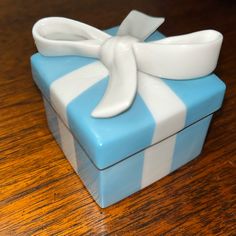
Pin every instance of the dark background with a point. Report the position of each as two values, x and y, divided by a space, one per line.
39 192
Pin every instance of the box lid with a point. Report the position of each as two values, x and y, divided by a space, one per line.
74 85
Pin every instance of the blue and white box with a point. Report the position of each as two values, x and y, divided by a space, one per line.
164 129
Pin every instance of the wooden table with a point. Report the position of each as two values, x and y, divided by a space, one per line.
39 192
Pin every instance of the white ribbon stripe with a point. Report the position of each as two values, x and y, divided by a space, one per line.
181 57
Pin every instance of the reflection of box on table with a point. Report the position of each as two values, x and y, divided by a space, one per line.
164 129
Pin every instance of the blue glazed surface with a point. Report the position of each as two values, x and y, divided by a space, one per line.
121 180
201 96
88 173
48 69
52 122
99 136
185 152
108 141
113 184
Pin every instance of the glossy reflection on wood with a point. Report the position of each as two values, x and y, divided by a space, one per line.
39 192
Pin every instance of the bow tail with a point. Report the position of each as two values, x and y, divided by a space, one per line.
122 85
139 25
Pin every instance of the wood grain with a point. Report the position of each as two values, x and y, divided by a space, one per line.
39 192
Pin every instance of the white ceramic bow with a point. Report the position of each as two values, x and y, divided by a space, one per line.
181 57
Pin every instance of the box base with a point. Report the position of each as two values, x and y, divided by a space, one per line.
110 185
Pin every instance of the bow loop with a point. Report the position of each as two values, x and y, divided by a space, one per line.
58 36
186 56
181 57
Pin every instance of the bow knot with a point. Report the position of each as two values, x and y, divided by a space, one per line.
181 57
112 45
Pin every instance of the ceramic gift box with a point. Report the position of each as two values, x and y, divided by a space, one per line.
129 109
